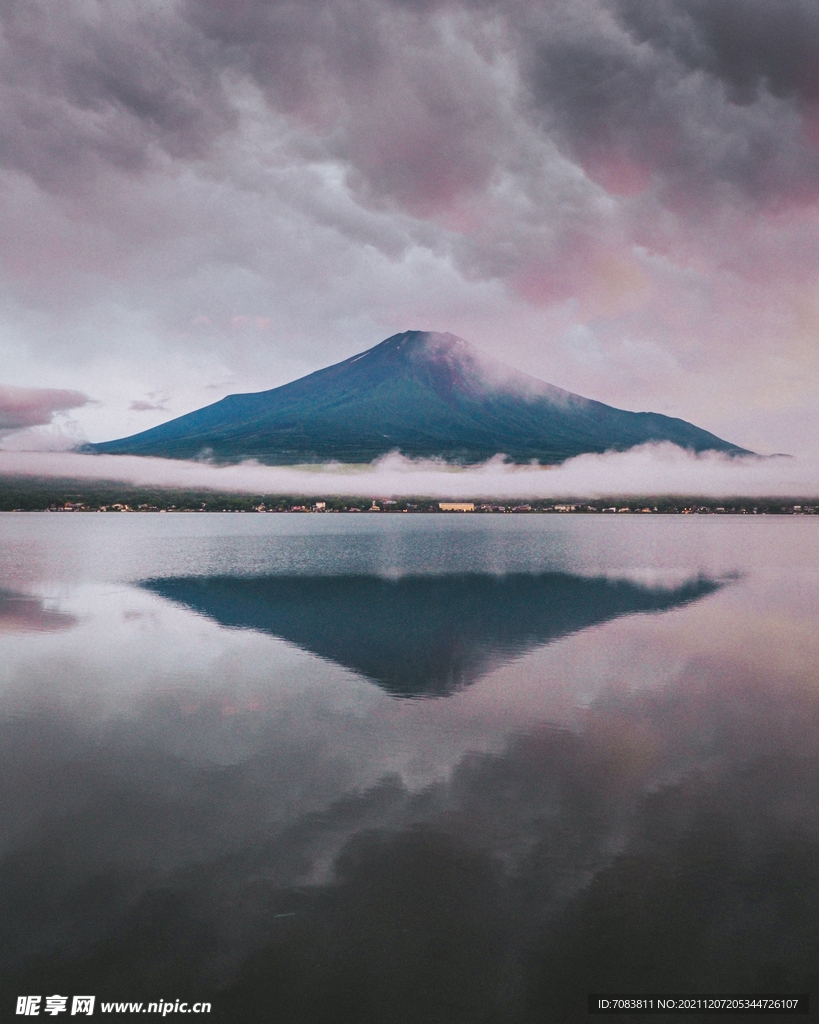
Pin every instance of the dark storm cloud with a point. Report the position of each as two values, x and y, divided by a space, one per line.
31 407
84 88
702 94
750 45
689 94
412 112
296 51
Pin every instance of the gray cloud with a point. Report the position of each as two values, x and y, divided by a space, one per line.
750 45
83 90
408 94
648 98
143 406
408 104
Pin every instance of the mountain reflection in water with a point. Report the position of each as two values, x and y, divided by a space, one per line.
422 635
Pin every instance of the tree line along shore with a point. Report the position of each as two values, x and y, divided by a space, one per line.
27 495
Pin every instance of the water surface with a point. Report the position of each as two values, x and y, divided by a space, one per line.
407 768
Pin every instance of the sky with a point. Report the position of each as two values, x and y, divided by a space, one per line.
203 197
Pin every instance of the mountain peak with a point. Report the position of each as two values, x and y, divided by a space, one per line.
423 345
447 361
424 340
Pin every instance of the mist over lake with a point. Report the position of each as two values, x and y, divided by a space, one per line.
407 768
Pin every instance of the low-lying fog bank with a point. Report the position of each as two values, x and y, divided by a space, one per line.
649 469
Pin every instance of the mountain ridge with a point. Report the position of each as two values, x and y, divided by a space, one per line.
424 394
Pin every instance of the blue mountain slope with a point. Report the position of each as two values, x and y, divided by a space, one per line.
423 394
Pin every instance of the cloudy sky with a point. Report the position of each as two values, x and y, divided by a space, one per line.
207 196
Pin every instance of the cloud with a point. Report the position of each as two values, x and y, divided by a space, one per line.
24 613
685 96
647 470
425 104
751 46
84 93
31 407
142 406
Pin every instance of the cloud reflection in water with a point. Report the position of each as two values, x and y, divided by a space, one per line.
25 613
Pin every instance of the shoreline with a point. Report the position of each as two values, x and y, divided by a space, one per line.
26 494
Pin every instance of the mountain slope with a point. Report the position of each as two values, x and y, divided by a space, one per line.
425 395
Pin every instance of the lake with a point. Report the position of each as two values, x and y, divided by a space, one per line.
408 768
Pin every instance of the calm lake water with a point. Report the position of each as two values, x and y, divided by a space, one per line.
410 769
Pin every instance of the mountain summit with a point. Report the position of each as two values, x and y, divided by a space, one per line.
423 394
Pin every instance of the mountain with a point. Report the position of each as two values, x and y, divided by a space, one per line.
424 395
422 635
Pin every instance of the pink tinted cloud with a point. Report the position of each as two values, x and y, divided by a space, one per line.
33 407
618 171
24 613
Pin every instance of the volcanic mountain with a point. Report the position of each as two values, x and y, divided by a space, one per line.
422 394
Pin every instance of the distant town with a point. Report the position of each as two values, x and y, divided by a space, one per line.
26 495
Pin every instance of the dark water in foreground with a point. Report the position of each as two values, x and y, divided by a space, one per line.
407 769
